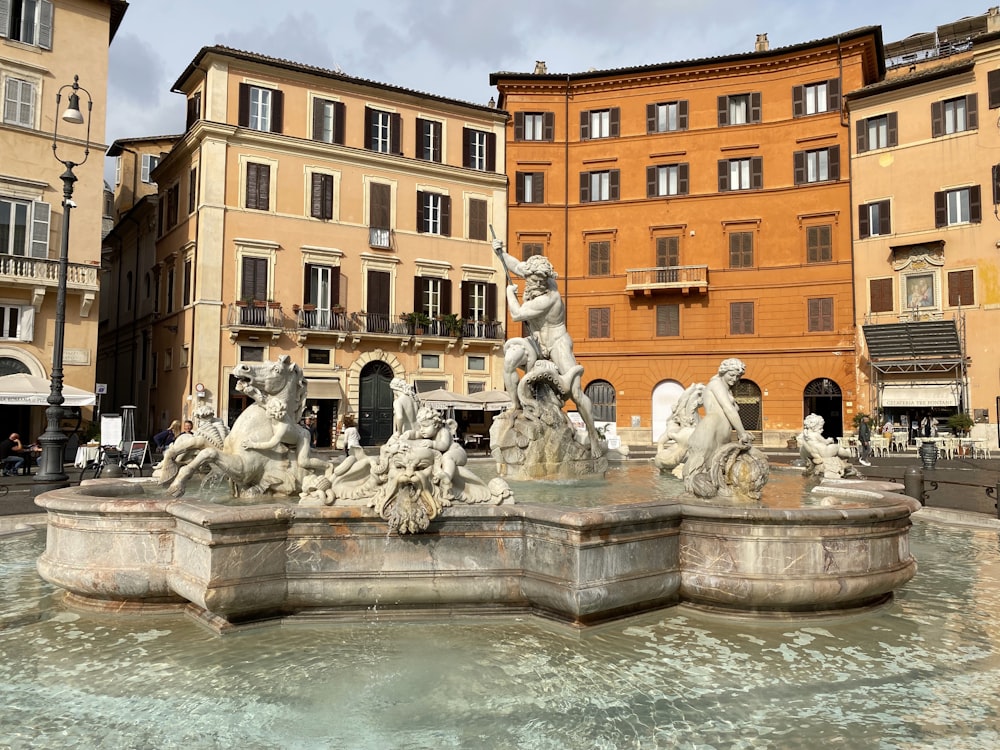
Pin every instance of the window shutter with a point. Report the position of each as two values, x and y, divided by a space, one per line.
538 187
192 190
446 215
491 152
252 189
254 279
892 131
975 205
548 126
668 320
491 301
723 175
446 296
380 196
317 196
40 216
519 126
880 292
992 86
395 133
723 111
651 182
335 286
369 136
584 125
379 283
940 209
799 167
45 24
682 179
243 115
613 184
339 122
863 229
834 162
884 218
615 117
26 330
466 148
813 315
277 111
961 289
319 117
798 101
193 110
971 111
477 219
464 291
418 294
519 186
650 118
996 184
682 114
584 187
421 197
264 187
755 108
4 17
833 95
937 119
861 133
756 172
307 297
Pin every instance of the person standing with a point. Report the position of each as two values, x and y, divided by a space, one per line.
352 438
865 440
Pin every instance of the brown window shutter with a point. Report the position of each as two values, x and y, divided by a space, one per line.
723 103
975 205
446 215
317 196
971 111
798 101
377 301
307 285
723 175
833 95
682 114
445 296
254 282
961 288
863 229
993 87
395 133
193 110
996 184
318 117
834 163
264 187
615 118
477 219
466 148
369 118
884 218
755 107
243 114
584 187
491 301
651 182
277 111
584 125
251 196
421 197
940 209
937 119
756 172
464 293
418 294
683 172
799 167
519 186
548 126
813 315
538 188
892 131
861 133
668 320
380 196
335 285
339 122
650 118
491 152
519 126
880 291
613 184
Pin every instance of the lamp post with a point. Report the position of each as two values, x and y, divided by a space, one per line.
53 440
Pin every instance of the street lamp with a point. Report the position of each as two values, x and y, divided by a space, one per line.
53 441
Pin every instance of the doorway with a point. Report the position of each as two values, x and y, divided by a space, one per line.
375 403
823 398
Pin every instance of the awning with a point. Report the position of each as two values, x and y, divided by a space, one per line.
31 390
442 399
493 400
920 394
325 389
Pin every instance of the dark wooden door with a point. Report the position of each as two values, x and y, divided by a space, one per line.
375 423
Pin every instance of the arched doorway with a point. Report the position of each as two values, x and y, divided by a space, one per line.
15 417
665 397
748 401
823 397
602 396
375 403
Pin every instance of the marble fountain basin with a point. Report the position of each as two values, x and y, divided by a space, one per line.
117 546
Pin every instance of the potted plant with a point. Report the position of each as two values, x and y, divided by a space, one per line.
452 324
416 321
960 423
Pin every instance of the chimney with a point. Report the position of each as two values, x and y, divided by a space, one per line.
540 68
762 44
993 19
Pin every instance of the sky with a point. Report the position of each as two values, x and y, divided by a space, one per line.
450 47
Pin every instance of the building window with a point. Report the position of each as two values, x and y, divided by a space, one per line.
185 356
874 219
192 190
17 322
193 110
318 356
382 131
24 228
741 249
154 373
600 258
814 98
379 214
186 283
430 302
821 314
433 213
818 165
740 318
877 132
668 251
253 279
529 187
321 289
599 123
321 198
430 362
258 186
478 221
479 150
428 140
149 162
961 206
961 288
666 117
169 289
531 248
739 109
534 126
819 243
328 121
173 196
476 363
19 102
251 354
599 323
880 295
28 22
118 171
599 186
741 174
669 179
476 386
260 108
668 320
954 115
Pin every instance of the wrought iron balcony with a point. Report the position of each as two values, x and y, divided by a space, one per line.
261 316
309 321
380 238
667 278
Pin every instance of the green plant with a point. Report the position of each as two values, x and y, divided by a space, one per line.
416 320
858 416
452 324
960 422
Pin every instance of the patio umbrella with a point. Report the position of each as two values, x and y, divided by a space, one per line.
439 398
31 390
493 400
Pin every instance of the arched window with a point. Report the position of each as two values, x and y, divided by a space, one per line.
823 396
747 395
602 395
11 366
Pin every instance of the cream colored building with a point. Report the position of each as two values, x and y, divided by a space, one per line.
305 213
925 169
43 45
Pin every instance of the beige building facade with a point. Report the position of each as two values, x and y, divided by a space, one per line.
339 222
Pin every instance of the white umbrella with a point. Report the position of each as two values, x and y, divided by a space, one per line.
31 390
493 400
442 399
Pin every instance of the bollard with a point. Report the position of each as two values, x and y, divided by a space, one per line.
913 483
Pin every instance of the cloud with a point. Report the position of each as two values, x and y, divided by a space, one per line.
135 72
301 38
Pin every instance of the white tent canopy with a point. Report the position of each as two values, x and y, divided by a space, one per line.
493 400
442 399
31 390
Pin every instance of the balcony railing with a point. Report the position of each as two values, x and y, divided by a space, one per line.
379 238
18 269
685 278
340 321
255 316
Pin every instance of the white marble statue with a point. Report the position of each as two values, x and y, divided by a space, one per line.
823 456
672 447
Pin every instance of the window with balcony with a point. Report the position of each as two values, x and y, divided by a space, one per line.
739 109
600 123
328 121
820 314
478 219
479 150
17 322
668 251
258 187
529 187
379 210
740 318
961 288
877 132
667 117
432 296
27 21
816 98
321 196
320 293
741 174
960 206
254 278
19 102
668 320
534 126
874 219
599 323
819 243
24 227
816 165
954 115
429 140
433 213
531 248
668 179
382 131
741 249
600 258
479 302
599 186
149 163
880 295
260 108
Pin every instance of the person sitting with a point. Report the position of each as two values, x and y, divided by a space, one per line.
10 458
162 440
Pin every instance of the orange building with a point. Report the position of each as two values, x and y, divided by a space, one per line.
695 211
